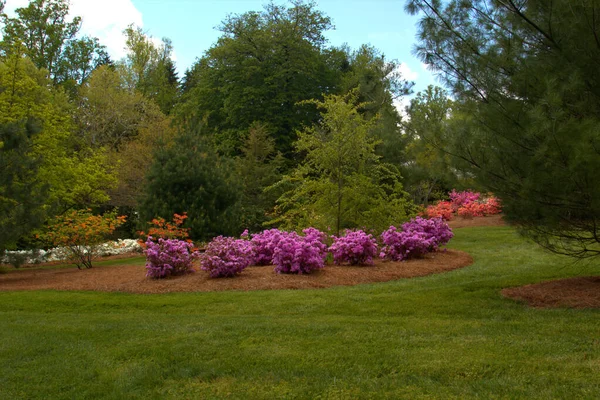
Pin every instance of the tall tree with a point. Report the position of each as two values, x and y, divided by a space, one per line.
22 196
341 183
76 175
261 67
379 84
524 74
150 69
50 41
428 168
259 167
189 176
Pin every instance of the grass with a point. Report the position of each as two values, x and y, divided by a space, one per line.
138 260
444 336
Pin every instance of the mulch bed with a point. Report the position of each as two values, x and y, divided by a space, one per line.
490 220
581 292
131 278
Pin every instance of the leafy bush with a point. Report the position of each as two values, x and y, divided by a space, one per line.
471 210
417 237
264 245
160 228
226 256
295 254
81 234
493 206
167 257
460 199
443 209
354 248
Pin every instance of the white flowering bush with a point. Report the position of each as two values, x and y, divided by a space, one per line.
37 256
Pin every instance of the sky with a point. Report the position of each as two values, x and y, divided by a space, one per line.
191 25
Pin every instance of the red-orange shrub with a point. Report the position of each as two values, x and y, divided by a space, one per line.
80 234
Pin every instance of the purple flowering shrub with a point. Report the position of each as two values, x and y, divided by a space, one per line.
264 245
169 257
417 237
226 256
354 248
295 254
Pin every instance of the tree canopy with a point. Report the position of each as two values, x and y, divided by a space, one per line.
525 79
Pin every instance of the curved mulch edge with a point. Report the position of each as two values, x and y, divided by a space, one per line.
580 292
131 278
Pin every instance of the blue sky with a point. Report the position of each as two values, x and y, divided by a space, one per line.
190 24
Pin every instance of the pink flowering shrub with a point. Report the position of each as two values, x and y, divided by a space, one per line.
295 254
264 245
460 199
168 257
417 237
354 248
492 206
226 256
443 209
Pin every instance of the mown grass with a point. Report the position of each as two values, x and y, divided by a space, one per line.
444 336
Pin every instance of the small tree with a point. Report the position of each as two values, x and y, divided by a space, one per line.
161 228
341 183
80 233
258 168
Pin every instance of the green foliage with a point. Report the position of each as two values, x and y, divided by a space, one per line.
77 176
341 183
258 168
149 69
427 132
22 196
189 176
524 77
261 67
80 234
49 39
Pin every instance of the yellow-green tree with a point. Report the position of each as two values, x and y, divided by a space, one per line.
76 175
341 183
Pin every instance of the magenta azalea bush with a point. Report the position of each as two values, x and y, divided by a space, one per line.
354 248
295 254
169 257
264 244
226 256
417 237
460 199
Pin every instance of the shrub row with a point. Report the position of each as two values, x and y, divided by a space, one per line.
292 253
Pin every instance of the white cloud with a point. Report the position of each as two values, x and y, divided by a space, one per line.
104 19
407 73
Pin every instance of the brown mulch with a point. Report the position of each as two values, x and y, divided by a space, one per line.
131 278
490 220
581 292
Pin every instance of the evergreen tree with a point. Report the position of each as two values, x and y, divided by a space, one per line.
22 196
259 167
524 75
189 176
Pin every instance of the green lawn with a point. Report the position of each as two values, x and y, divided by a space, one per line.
445 336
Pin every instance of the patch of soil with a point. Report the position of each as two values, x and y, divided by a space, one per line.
490 220
581 292
131 278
